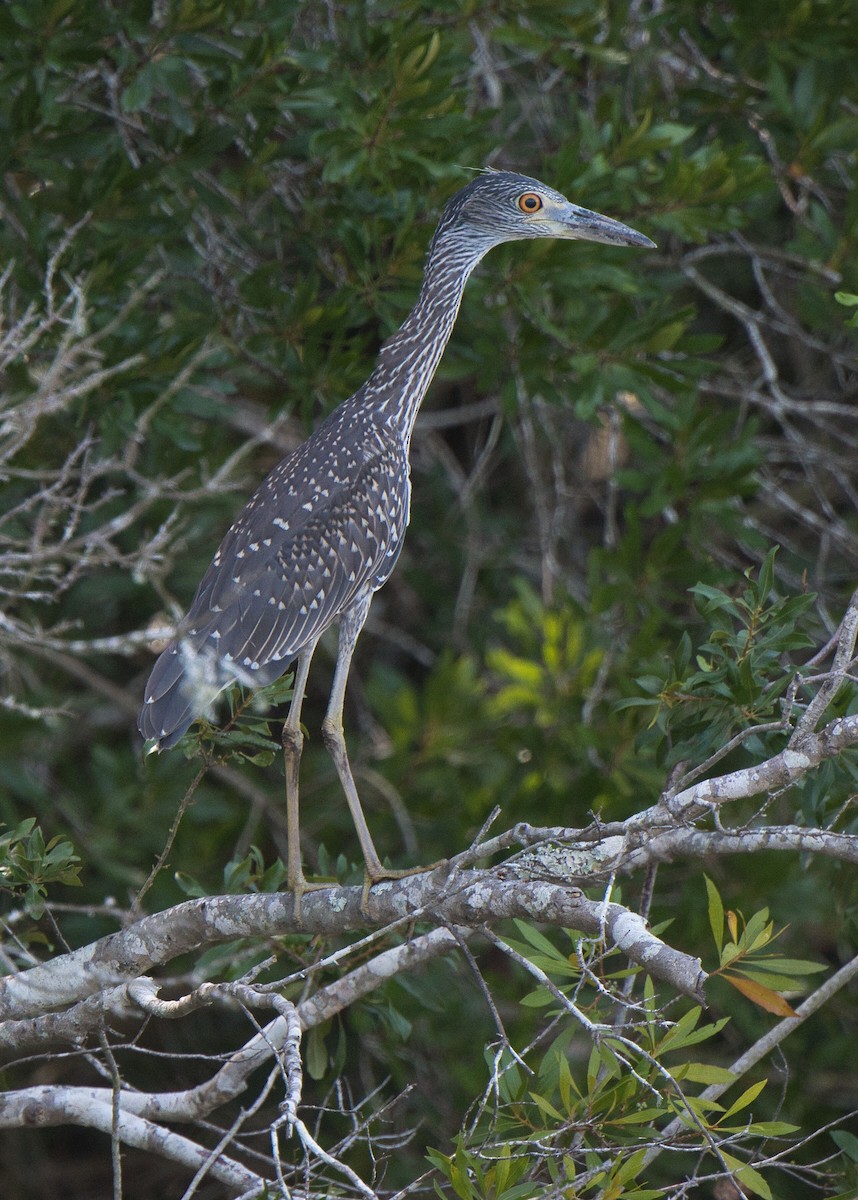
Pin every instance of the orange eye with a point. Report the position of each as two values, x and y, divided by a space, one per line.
530 202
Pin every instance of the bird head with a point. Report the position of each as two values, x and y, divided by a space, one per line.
500 206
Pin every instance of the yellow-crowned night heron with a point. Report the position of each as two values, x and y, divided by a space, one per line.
324 530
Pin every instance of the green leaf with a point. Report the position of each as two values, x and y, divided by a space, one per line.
703 1073
545 1106
538 940
539 998
749 1179
630 1168
685 1032
190 886
645 1116
138 94
758 931
763 1128
791 966
767 976
746 1099
716 913
847 1142
315 1052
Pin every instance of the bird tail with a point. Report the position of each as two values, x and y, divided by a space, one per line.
183 685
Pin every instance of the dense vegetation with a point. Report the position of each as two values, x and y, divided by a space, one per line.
634 541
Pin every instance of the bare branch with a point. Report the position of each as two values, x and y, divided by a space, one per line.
54 1104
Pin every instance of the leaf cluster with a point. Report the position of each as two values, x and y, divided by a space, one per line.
29 865
736 678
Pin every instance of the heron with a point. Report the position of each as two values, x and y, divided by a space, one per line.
324 530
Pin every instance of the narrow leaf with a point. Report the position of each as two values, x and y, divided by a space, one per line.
716 913
746 1099
763 997
704 1073
751 1180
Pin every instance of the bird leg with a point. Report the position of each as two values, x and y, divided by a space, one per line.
333 736
293 743
351 624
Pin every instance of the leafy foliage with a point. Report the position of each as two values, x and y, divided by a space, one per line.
735 680
744 963
29 865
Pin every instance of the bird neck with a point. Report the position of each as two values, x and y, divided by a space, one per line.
408 360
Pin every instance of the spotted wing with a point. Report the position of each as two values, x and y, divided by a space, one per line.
279 581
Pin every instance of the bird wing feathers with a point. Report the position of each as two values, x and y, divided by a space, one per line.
277 583
303 548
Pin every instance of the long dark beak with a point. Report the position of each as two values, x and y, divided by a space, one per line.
583 225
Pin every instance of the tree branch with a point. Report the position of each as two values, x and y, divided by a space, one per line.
474 899
54 1104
